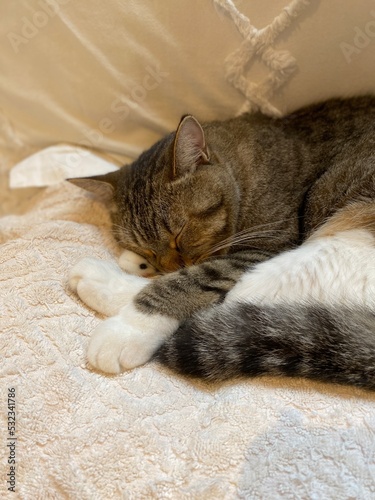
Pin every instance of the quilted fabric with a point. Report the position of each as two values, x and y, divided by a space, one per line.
149 433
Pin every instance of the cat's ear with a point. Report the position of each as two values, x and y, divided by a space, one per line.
102 186
190 149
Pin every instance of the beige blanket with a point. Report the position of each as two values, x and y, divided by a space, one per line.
149 433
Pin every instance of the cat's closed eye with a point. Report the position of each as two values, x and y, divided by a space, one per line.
176 240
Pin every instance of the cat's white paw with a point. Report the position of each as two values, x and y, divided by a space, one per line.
133 263
128 340
103 286
90 268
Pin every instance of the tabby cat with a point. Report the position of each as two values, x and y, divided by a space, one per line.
260 235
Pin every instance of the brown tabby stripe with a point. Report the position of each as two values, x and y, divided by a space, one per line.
182 293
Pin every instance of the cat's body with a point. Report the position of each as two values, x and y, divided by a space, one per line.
306 312
248 188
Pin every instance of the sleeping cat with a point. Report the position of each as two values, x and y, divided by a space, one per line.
261 233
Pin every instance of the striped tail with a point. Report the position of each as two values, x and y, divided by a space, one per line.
312 341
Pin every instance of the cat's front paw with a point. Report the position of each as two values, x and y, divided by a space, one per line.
128 340
103 286
133 263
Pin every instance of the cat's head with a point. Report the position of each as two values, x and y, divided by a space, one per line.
176 203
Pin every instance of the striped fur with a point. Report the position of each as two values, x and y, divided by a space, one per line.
309 312
210 204
334 344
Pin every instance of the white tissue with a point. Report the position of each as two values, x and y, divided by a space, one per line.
56 163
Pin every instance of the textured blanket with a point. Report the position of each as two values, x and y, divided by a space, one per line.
148 433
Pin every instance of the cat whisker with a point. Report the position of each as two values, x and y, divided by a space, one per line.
247 235
266 224
117 227
243 238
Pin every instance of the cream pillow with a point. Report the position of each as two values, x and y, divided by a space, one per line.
118 75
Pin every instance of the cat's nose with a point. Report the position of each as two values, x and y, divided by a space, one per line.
170 262
173 260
